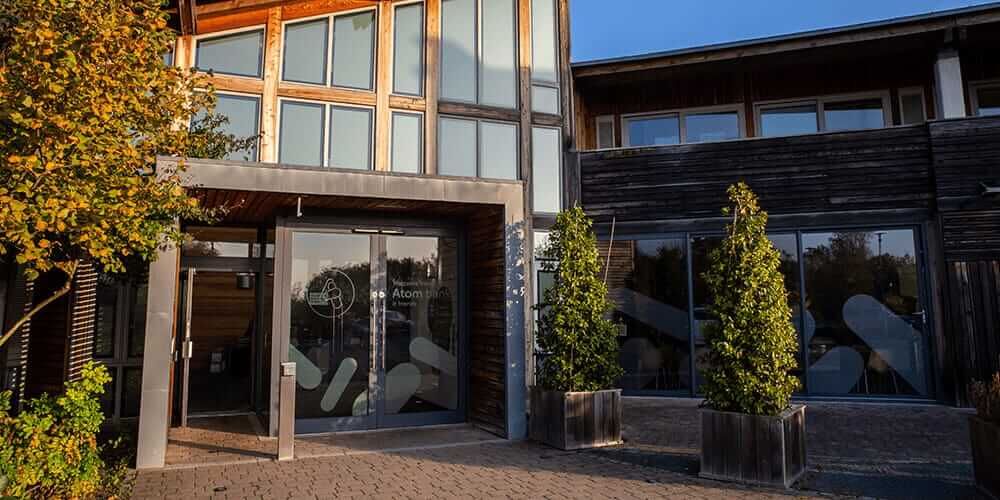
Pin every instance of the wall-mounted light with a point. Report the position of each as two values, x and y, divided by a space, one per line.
990 191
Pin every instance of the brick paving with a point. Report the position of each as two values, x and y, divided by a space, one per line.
882 451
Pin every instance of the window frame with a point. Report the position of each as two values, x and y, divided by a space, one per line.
257 125
681 114
974 88
559 170
328 62
820 102
537 82
120 360
422 169
227 33
909 91
479 148
327 109
423 48
478 40
607 119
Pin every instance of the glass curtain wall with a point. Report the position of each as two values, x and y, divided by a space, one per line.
862 332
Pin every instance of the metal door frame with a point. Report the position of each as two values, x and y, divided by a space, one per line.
378 230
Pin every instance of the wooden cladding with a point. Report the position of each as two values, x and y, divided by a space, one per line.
487 320
973 322
866 170
966 157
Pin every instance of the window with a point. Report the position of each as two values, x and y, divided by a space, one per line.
354 50
546 162
305 52
407 154
478 148
605 132
479 62
325 135
544 57
243 115
986 99
350 137
408 47
911 106
118 338
789 120
239 54
684 126
337 50
824 114
853 115
301 137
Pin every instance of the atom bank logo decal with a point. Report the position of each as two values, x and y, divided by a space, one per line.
333 296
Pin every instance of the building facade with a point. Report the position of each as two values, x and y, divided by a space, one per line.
381 233
874 150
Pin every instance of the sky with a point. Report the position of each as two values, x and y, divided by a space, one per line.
616 28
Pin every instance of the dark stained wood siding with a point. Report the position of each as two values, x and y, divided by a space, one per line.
487 320
47 339
973 322
837 172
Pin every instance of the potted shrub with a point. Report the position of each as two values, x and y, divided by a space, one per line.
574 406
984 429
749 431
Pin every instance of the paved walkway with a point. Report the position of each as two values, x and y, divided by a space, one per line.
879 451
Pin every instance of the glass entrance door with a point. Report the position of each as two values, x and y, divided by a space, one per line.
374 329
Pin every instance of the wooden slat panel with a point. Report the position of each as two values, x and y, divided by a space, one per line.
269 99
973 322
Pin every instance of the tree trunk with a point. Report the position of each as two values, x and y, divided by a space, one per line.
70 269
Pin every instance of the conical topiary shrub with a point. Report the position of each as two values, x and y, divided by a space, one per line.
580 342
752 346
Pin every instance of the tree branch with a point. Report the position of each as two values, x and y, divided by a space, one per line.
70 270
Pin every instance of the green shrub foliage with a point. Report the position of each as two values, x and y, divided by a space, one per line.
50 450
580 341
753 344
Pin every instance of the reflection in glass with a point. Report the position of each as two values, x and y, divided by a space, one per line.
864 323
407 142
354 50
408 50
457 152
647 282
301 139
305 52
104 320
330 323
498 73
216 241
543 41
458 50
498 150
653 131
131 389
988 101
137 319
702 127
788 120
421 325
350 137
912 108
237 54
853 115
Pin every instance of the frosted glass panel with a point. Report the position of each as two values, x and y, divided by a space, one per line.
238 54
458 50
408 60
545 99
301 139
497 73
407 143
354 50
457 151
546 182
243 113
350 137
543 40
703 127
912 108
498 150
305 52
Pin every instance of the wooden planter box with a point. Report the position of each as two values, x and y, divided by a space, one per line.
753 449
986 455
576 420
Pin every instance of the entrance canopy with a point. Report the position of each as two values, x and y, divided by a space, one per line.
489 216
